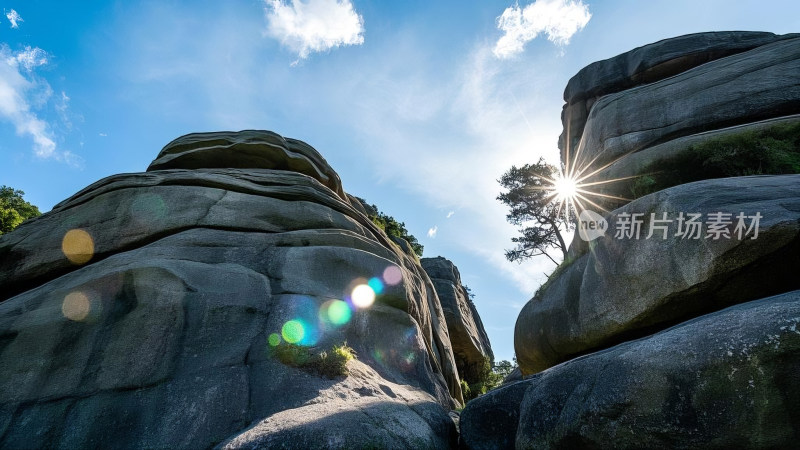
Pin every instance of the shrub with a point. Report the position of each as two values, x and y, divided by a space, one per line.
330 363
14 209
774 151
391 226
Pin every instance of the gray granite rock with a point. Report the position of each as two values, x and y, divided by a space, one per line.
747 87
648 64
724 380
623 288
470 342
137 313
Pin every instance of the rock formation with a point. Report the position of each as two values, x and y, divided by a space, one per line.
672 336
470 343
147 311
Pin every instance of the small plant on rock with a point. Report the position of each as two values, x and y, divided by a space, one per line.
330 363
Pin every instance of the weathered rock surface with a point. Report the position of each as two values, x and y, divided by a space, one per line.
137 313
248 149
643 162
758 84
659 62
656 339
626 287
470 342
730 379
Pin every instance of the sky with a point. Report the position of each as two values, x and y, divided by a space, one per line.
420 106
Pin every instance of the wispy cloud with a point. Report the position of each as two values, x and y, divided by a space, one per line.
14 18
491 120
21 92
432 231
450 214
314 25
30 58
558 19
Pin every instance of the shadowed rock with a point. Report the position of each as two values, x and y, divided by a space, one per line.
724 380
139 312
471 346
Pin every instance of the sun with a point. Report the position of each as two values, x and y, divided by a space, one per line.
565 188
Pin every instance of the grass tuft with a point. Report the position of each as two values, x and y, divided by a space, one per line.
769 151
330 363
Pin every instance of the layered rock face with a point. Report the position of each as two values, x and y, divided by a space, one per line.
675 327
147 311
470 343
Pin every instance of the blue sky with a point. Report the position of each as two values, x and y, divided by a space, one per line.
414 103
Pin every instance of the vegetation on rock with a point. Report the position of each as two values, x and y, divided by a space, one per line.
14 209
330 363
391 226
769 151
539 219
490 377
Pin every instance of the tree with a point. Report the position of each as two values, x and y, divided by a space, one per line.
13 209
504 368
539 218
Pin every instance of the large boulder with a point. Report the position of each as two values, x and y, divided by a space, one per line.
652 161
746 87
179 308
730 379
648 64
625 287
470 342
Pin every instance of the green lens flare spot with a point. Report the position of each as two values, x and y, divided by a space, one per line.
274 339
293 331
339 312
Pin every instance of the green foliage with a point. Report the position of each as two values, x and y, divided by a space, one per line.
330 363
13 209
465 390
489 378
391 226
774 150
539 219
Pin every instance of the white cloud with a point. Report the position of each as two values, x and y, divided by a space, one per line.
20 93
314 25
558 19
450 214
102 134
14 18
30 58
432 231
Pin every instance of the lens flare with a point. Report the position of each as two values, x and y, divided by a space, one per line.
76 306
565 188
293 331
376 285
392 275
78 246
274 339
363 296
339 312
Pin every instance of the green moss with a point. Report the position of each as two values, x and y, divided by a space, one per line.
330 363
769 151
